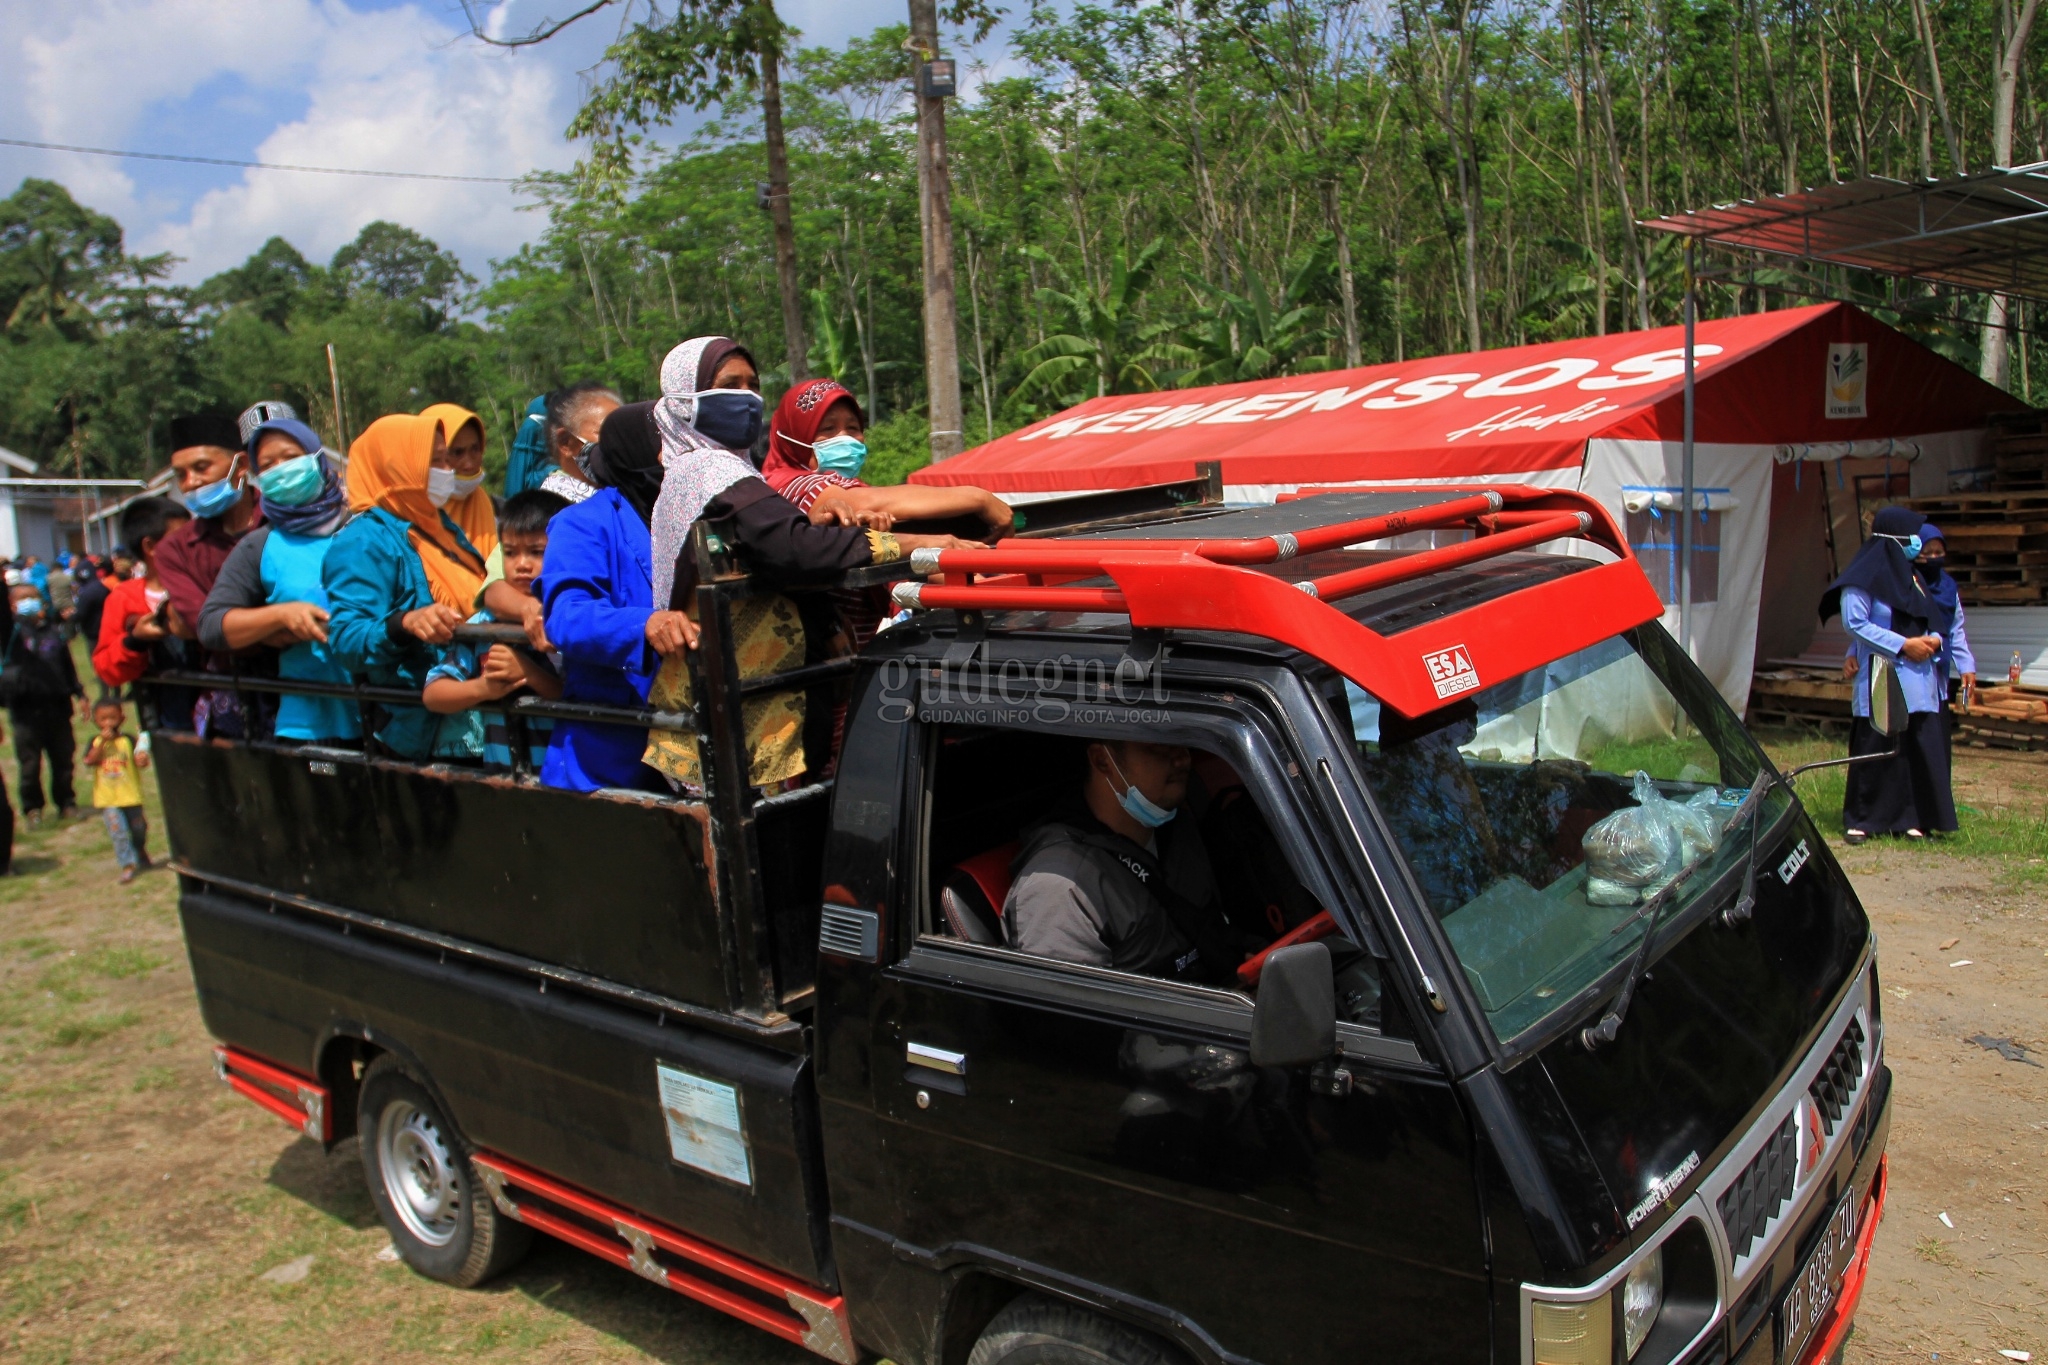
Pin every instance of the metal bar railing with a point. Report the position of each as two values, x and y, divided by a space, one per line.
683 721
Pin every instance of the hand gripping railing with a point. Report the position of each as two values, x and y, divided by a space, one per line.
1216 584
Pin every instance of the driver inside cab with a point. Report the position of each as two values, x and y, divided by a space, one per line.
1113 879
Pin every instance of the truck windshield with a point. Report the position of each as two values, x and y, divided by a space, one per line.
1538 814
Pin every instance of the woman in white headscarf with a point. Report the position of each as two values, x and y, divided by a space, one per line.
619 585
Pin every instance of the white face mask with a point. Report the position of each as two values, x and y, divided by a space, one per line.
464 487
441 486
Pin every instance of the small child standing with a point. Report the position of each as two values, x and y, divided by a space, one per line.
117 787
469 677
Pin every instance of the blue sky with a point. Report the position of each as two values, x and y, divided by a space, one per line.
383 84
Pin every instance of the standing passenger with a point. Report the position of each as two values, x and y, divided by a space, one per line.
456 486
215 486
570 423
816 452
388 617
619 586
134 640
270 592
1888 612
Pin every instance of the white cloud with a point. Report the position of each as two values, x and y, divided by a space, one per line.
394 89
391 91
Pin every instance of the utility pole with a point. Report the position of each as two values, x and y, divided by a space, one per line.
935 199
775 198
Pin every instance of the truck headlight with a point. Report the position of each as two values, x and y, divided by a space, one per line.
1642 1298
1573 1333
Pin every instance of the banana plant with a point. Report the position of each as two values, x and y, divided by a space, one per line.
1249 336
1105 338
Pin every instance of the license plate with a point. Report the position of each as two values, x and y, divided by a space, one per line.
1814 1288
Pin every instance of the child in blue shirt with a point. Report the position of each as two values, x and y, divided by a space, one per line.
470 675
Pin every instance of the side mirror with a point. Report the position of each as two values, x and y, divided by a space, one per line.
1295 1020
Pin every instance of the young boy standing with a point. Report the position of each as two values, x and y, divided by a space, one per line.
117 788
467 677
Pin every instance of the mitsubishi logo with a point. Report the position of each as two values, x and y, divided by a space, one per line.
1813 1139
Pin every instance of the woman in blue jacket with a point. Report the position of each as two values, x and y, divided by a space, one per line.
385 624
270 591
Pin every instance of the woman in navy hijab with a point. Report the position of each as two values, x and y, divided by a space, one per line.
1888 612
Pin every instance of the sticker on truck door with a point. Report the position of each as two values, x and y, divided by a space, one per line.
1451 671
704 1129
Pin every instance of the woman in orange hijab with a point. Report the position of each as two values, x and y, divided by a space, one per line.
461 490
400 577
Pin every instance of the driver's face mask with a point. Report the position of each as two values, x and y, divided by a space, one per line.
1136 804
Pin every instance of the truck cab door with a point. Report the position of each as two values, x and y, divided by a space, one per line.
1106 1135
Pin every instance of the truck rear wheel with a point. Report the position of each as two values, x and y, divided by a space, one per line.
417 1166
1040 1331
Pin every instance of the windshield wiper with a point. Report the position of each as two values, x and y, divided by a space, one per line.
1597 1035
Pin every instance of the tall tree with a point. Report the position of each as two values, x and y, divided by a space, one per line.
706 53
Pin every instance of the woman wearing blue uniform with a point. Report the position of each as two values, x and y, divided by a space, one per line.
1888 612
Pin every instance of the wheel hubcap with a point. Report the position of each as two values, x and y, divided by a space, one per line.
422 1175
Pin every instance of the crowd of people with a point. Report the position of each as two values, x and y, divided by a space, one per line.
277 558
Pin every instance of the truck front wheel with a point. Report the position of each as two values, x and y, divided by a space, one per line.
1038 1331
440 1219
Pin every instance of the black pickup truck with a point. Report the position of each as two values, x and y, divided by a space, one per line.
1480 1099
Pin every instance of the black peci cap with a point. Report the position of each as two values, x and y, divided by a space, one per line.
212 427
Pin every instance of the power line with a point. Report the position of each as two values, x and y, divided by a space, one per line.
258 165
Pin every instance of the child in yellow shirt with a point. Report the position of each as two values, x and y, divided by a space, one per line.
117 788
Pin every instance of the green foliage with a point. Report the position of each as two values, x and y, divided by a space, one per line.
1144 196
897 449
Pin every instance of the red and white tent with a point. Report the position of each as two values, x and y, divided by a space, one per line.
1775 393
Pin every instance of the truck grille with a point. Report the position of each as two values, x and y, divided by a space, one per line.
1838 1079
1761 1190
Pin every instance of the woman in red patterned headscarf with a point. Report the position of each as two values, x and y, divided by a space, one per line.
815 454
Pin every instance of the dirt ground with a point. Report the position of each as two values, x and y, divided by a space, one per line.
142 1205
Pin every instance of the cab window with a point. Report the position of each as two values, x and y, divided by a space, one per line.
1052 846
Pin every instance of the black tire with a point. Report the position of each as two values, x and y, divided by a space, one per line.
1038 1331
438 1213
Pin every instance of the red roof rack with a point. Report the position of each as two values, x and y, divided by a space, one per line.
1168 576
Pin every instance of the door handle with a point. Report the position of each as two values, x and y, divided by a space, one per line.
935 1058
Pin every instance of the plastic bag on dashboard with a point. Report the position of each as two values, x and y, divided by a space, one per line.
1635 852
1632 850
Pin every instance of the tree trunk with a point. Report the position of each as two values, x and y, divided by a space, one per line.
941 307
1347 290
1994 352
1925 24
1598 62
1470 194
780 219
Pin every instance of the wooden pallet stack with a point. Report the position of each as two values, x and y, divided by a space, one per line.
2006 718
2019 450
1800 695
1997 544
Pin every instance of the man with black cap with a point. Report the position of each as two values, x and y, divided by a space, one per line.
215 485
218 488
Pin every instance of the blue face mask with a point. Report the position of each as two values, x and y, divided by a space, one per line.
1136 804
1910 544
842 455
29 608
215 498
731 417
294 482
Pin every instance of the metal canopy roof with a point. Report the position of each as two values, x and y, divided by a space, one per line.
1987 231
